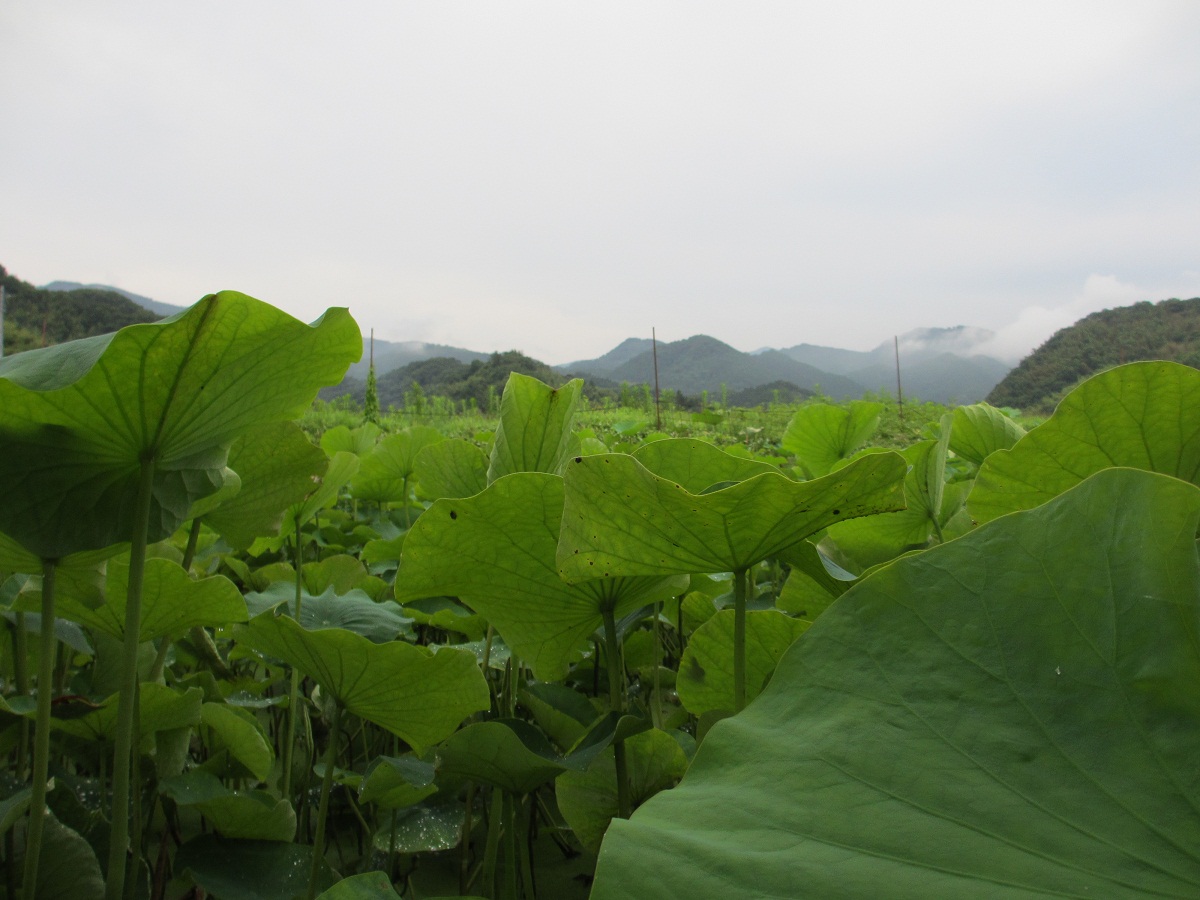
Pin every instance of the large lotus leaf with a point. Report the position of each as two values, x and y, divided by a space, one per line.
79 576
413 693
980 430
1012 714
872 540
386 474
423 828
172 602
342 467
277 464
250 870
78 419
451 469
367 886
354 611
705 681
359 441
1144 415
160 708
534 434
622 519
246 815
495 552
341 572
820 435
240 735
67 868
392 782
505 753
697 465
588 800
813 583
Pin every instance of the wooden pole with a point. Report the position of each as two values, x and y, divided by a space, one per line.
657 411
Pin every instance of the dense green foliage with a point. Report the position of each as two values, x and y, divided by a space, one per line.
371 660
1168 330
35 318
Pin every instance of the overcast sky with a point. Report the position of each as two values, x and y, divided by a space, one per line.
556 177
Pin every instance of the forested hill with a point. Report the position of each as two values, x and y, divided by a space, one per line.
1168 330
480 380
34 317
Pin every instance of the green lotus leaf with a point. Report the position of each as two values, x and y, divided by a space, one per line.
278 465
79 576
872 540
622 519
386 475
980 430
367 886
160 708
342 467
393 782
172 601
451 469
423 828
78 419
250 870
563 713
68 867
495 552
239 734
705 680
359 441
820 435
534 434
813 583
588 800
697 465
1011 714
413 693
510 754
244 815
1143 415
354 611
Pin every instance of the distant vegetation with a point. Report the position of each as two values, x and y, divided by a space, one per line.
1169 330
35 317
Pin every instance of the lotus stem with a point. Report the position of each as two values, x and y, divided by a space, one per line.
289 738
41 736
616 696
318 850
114 886
739 639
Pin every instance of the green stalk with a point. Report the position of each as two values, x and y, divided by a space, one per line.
41 736
656 695
21 677
323 809
114 886
289 738
616 699
491 850
739 640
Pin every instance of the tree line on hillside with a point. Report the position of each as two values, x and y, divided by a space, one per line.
1168 330
34 317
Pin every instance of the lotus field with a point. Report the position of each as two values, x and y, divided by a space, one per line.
241 664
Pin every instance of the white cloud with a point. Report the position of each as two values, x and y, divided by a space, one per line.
1036 324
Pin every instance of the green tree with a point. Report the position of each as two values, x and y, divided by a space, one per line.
371 399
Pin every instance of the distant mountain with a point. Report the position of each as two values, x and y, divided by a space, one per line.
702 363
935 364
625 351
480 380
34 317
391 355
1167 330
162 309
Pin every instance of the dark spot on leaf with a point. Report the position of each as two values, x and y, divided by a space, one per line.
579 459
577 552
591 562
453 514
837 512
